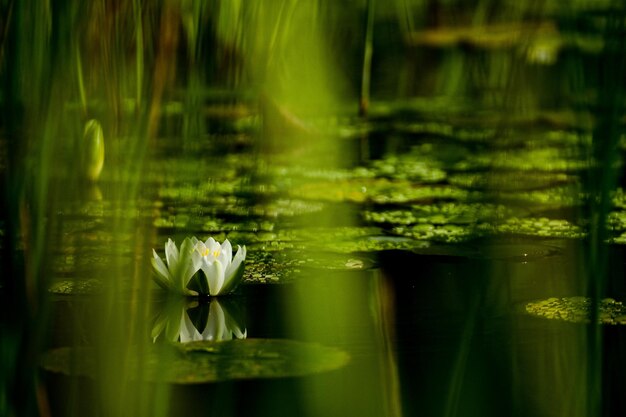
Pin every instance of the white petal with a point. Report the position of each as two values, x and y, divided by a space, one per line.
162 282
227 253
214 273
171 254
187 267
161 275
224 259
172 330
188 332
196 260
158 326
238 333
189 272
159 266
233 327
210 243
215 247
215 324
233 269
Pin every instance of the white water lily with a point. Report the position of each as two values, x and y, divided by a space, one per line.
181 266
221 270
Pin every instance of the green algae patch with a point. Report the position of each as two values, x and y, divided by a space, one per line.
578 310
442 213
281 267
270 267
448 233
204 362
533 159
376 190
509 180
352 239
455 233
77 287
541 227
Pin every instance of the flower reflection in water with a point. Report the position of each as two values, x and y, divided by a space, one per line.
181 320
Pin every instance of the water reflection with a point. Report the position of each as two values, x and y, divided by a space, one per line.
179 319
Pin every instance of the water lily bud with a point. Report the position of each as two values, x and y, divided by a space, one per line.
92 150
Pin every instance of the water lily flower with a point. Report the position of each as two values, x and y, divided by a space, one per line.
222 271
181 266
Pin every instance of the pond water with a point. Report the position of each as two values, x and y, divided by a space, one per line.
412 300
430 196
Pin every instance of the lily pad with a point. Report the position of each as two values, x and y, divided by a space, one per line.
578 310
203 362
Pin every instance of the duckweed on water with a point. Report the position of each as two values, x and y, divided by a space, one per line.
508 181
277 208
374 244
380 191
419 165
542 160
556 197
408 168
535 227
430 232
443 213
340 240
329 234
541 227
77 287
270 267
280 267
352 240
619 198
214 192
578 310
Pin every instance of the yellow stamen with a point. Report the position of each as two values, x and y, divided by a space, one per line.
207 252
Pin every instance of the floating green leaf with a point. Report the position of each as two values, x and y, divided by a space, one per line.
202 362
